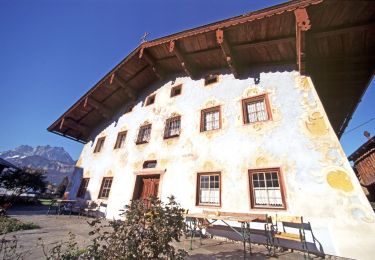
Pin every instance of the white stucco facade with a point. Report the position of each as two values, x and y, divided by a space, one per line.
319 183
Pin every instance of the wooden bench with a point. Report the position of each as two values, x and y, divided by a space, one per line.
293 235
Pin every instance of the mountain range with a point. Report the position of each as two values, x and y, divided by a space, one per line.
55 161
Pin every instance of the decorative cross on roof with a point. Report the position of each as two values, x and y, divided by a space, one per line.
143 38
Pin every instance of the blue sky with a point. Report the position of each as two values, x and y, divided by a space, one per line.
52 52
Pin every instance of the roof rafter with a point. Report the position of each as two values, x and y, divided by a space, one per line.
130 92
102 109
182 58
159 72
228 52
70 123
302 25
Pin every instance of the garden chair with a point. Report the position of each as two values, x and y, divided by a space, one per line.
79 207
96 209
53 206
293 235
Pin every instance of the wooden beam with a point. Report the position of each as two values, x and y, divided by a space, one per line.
77 126
302 25
143 54
182 58
264 43
102 109
61 123
130 92
343 30
227 52
342 60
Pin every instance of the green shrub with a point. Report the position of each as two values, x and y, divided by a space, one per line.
8 225
145 233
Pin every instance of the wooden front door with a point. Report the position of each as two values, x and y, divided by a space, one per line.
150 187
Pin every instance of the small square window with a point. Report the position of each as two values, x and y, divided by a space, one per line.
256 109
99 145
144 134
172 127
120 141
105 188
150 100
176 90
149 164
209 189
210 119
210 79
266 189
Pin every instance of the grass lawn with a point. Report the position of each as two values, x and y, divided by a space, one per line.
8 224
45 202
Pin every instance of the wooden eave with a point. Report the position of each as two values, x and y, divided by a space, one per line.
362 150
334 45
364 162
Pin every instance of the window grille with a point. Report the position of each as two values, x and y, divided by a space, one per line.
172 127
256 110
210 119
144 134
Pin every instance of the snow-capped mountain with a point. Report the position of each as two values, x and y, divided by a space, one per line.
54 160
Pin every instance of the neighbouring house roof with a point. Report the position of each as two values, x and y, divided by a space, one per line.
6 164
337 52
364 162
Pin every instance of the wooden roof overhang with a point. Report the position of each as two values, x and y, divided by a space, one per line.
331 41
364 162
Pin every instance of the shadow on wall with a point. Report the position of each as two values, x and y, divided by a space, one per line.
75 182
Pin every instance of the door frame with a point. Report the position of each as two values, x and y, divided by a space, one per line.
144 173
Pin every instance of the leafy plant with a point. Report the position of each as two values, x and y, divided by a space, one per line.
8 225
145 233
67 250
9 249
